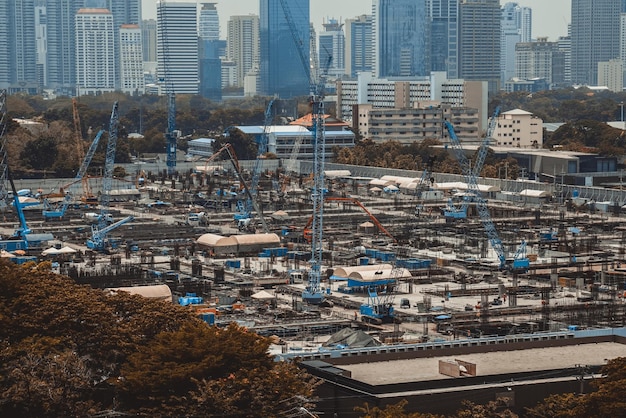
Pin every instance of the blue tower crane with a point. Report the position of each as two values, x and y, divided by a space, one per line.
4 165
313 293
170 135
245 211
100 230
60 211
461 212
520 261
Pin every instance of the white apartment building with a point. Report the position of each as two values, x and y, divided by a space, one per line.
95 51
611 75
395 94
242 44
229 74
520 129
132 79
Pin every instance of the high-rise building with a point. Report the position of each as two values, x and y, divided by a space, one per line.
540 59
177 47
332 47
149 40
281 69
41 36
595 25
95 51
61 62
358 53
242 45
622 41
209 23
565 46
401 38
131 60
444 40
516 27
210 68
124 12
18 66
611 75
479 41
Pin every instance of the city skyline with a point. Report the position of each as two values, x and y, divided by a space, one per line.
550 18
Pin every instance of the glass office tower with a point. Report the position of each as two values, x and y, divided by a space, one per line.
282 72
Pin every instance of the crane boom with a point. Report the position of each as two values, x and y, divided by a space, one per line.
58 213
483 210
78 136
228 148
312 293
256 173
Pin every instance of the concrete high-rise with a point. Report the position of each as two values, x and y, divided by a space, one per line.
209 23
177 47
242 45
131 60
18 65
41 39
149 40
281 69
95 51
401 38
479 41
516 27
594 33
61 63
332 49
210 53
358 51
540 59
443 16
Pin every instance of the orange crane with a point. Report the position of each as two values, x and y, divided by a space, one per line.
354 201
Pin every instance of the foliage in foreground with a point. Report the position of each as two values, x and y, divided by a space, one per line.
69 350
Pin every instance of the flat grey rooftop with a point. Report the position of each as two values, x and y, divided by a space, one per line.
501 362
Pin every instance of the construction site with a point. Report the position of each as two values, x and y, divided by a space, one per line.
336 261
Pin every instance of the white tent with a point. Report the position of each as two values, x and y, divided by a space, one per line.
55 251
50 251
262 295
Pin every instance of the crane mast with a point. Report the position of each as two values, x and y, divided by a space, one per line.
520 261
313 293
4 164
170 135
78 136
109 162
256 173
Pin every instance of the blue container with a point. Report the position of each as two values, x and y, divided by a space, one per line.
235 264
208 317
364 261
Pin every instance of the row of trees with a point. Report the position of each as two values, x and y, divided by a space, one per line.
583 111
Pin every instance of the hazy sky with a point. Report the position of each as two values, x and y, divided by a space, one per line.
550 17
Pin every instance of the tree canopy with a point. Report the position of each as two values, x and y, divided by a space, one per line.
70 350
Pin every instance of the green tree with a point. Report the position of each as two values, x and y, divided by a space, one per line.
40 153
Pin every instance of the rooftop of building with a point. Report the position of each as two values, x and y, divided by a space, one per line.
487 363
